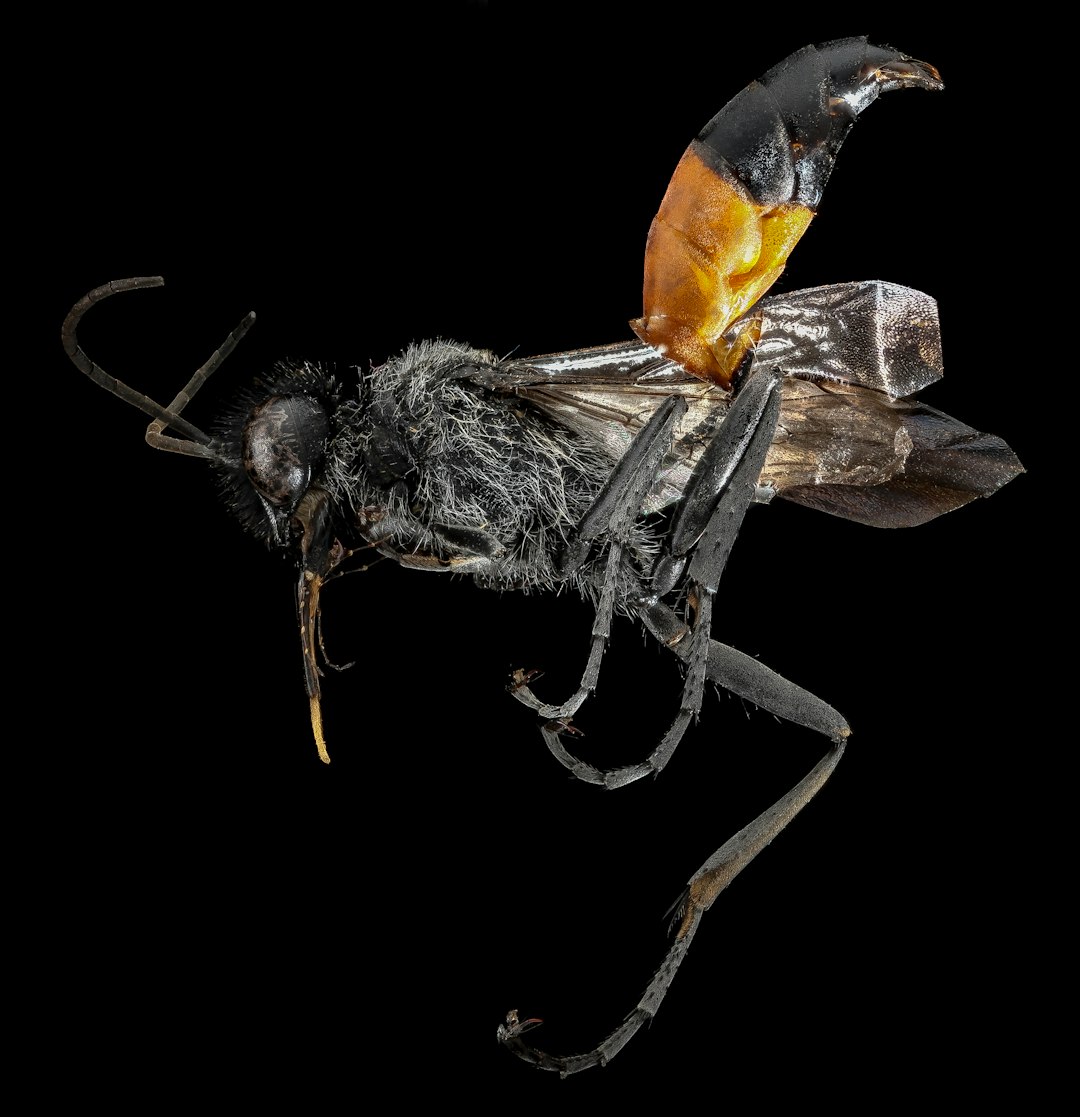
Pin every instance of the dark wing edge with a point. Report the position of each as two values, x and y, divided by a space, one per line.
941 464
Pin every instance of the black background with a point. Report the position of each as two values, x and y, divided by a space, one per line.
222 912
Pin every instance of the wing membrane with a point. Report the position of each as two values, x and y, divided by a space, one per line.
845 443
879 335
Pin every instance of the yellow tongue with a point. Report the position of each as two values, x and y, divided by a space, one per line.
307 600
316 728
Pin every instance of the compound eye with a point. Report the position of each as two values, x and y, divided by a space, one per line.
283 442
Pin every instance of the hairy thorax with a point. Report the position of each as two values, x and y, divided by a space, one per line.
445 475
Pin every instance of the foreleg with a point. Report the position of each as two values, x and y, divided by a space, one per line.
611 516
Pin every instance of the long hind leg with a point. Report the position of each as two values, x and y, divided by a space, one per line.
699 895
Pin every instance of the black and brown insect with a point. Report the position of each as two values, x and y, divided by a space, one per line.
625 471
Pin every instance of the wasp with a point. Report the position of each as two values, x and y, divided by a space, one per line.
624 471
